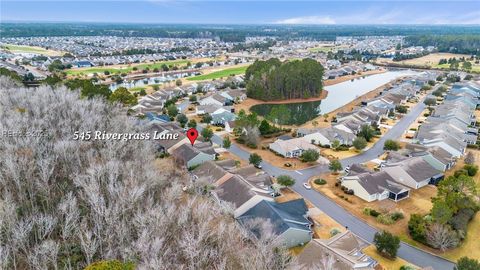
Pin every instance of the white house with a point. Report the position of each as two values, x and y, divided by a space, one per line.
291 148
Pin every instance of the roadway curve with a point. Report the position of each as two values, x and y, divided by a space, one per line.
407 252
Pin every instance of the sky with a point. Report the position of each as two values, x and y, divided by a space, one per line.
244 12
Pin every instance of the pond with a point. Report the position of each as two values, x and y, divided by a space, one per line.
338 95
135 83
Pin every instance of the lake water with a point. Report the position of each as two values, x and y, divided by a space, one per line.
338 95
150 81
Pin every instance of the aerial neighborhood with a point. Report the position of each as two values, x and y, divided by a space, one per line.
275 147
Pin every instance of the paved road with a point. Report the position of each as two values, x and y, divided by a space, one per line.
338 213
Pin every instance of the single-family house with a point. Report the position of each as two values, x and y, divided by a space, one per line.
215 99
413 172
240 194
373 186
345 248
289 221
291 148
189 156
326 136
167 146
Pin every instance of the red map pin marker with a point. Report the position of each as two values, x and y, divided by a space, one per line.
192 135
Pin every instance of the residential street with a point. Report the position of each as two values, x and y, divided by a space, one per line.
338 213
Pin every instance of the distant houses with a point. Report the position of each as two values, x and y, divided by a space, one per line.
438 143
452 126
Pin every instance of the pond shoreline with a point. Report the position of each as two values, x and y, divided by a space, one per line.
250 102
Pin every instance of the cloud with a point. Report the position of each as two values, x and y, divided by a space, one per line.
308 20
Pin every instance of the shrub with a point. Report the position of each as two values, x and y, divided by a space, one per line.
471 169
320 181
374 213
407 267
285 180
110 265
391 145
397 215
349 191
385 219
466 263
387 244
417 227
334 231
310 155
460 172
366 211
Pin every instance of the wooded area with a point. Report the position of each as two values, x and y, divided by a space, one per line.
274 80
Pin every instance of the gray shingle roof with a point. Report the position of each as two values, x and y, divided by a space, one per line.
282 216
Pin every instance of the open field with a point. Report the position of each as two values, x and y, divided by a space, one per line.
31 49
430 61
220 74
123 68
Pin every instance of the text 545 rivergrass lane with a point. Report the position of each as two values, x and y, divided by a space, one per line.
105 136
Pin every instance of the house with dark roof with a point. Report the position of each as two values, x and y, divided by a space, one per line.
346 249
413 172
167 145
436 156
372 186
210 172
289 221
240 194
189 156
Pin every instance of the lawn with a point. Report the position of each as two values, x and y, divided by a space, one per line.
30 49
470 245
475 67
220 74
432 60
386 263
124 68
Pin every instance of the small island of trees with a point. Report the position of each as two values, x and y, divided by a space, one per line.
276 80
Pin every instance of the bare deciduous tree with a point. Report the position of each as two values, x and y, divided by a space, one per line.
65 203
442 237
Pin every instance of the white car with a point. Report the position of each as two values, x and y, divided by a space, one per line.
307 186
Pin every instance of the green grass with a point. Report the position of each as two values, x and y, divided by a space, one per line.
124 69
220 74
475 68
26 49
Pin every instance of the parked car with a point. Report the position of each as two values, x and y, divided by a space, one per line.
307 186
287 164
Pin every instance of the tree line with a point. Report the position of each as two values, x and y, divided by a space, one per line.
454 43
276 80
